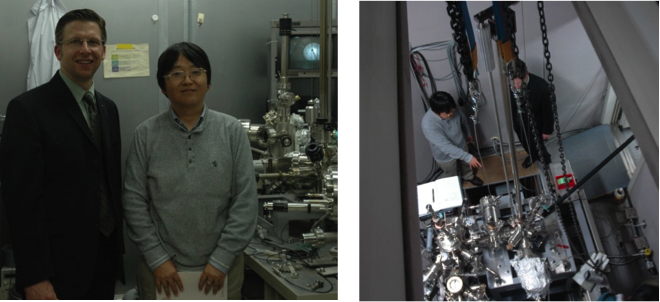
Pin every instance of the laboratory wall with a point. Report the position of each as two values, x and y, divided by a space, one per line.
579 78
234 34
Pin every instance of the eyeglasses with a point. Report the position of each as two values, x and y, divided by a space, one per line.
91 43
447 115
179 76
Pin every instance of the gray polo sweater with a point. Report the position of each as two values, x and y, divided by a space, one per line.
447 137
190 196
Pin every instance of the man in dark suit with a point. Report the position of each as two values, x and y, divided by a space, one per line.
61 175
538 91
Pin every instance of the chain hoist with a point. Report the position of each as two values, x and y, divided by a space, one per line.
510 23
553 100
522 100
458 25
466 48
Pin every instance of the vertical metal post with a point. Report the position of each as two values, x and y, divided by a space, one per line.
163 43
515 199
285 32
323 71
323 64
499 130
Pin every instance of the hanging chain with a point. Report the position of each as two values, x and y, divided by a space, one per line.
456 15
578 230
537 141
553 98
512 34
523 101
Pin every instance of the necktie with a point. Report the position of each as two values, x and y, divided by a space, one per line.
107 221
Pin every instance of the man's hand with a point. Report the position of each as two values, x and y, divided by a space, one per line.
474 163
470 139
41 291
211 278
546 136
168 278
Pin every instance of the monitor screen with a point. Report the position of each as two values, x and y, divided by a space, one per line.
304 52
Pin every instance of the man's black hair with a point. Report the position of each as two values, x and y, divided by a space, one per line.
190 51
442 102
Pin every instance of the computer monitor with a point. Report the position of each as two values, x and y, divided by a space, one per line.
304 54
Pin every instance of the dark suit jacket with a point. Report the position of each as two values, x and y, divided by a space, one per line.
541 106
50 174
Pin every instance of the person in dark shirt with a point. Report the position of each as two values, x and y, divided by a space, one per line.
538 91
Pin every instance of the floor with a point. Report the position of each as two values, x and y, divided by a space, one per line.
492 171
618 239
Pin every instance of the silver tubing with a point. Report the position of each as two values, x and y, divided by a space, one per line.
515 200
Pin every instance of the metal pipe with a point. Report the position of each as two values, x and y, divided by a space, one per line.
319 238
273 175
499 130
285 32
295 207
429 239
323 63
316 201
517 203
260 152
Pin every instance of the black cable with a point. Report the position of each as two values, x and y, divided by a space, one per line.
431 173
597 269
259 243
307 289
553 206
267 241
627 262
282 230
437 174
254 255
295 253
428 70
419 77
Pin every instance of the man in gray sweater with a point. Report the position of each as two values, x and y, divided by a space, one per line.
445 127
190 197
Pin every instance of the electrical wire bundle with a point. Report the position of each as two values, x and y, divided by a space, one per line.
298 257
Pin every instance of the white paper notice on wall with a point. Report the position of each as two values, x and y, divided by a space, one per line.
126 60
190 291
